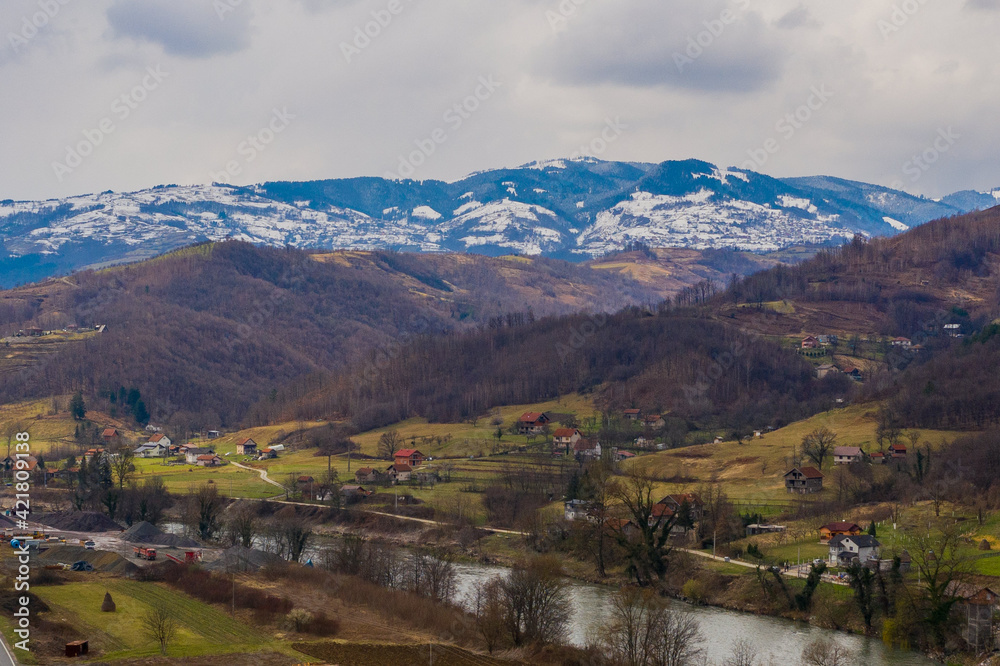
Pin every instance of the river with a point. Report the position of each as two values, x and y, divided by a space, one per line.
777 640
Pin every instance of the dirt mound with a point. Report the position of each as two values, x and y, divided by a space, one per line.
148 533
80 521
101 560
239 558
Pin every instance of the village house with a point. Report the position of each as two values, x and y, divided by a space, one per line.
192 453
366 475
111 437
905 343
90 454
853 373
150 450
953 330
411 457
576 509
246 447
695 506
897 451
622 456
267 453
632 414
647 443
563 440
827 339
846 455
974 608
654 421
208 460
824 370
399 472
213 434
803 480
809 342
353 493
532 423
830 530
587 449
845 548
757 528
878 458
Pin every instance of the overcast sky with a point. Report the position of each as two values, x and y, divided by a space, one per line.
127 94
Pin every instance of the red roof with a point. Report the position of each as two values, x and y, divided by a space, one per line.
531 417
244 441
364 471
811 473
306 479
157 437
401 467
662 510
408 453
110 432
841 527
898 447
632 411
207 456
564 432
584 445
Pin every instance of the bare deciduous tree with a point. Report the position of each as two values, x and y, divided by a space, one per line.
389 443
818 444
826 653
159 625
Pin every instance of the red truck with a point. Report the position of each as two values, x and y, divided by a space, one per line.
144 553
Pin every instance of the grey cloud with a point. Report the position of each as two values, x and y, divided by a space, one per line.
800 17
191 28
689 48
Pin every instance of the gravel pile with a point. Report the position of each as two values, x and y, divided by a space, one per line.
101 560
80 521
148 533
239 558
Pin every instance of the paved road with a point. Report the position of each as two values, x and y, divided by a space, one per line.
6 654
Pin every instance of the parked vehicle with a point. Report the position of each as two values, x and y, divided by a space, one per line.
144 553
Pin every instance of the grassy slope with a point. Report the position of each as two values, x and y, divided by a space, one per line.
754 472
202 630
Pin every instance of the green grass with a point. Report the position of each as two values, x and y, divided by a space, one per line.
202 630
230 480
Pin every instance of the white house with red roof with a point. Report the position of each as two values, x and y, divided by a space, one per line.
563 440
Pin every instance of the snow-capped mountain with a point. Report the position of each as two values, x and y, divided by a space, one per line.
574 209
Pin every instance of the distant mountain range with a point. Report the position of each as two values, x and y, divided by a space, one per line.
569 209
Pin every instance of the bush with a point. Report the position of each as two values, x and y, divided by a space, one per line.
215 589
694 590
297 620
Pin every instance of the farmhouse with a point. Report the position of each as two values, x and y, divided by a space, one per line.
587 449
622 456
830 530
149 450
267 453
532 423
825 369
905 343
411 457
653 421
399 472
576 509
633 414
695 506
353 493
844 549
897 451
246 447
845 455
366 475
111 437
853 373
191 456
804 480
809 342
208 460
563 440
90 454
878 458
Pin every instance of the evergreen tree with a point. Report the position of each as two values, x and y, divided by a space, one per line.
77 407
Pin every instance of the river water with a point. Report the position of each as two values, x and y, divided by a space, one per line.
777 640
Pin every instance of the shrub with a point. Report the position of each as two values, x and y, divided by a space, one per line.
694 590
